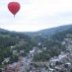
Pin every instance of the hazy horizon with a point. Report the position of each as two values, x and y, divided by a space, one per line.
36 15
37 30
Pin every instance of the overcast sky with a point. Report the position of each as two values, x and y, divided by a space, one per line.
35 15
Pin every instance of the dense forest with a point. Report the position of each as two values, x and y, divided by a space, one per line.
14 44
11 44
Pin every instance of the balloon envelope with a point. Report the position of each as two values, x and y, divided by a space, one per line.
14 7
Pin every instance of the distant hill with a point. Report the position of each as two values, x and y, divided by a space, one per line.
49 32
44 32
54 33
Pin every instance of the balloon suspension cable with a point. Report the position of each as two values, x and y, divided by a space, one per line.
14 16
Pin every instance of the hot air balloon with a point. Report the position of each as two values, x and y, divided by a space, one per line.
14 7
